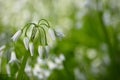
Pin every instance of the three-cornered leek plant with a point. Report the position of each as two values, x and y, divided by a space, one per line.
35 32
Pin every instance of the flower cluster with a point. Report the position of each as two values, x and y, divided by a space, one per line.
43 68
33 32
35 36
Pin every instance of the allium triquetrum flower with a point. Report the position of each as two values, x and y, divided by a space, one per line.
52 34
16 35
13 57
26 42
40 50
31 48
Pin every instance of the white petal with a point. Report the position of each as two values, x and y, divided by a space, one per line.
8 69
40 50
13 57
31 48
52 34
26 42
16 35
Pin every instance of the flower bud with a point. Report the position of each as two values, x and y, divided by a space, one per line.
26 42
13 57
16 35
2 47
40 50
52 34
31 48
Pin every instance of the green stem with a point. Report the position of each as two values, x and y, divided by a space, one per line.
22 67
27 27
44 21
106 35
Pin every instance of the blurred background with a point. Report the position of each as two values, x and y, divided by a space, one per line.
88 43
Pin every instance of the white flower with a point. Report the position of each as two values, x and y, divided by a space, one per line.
8 69
16 35
62 57
28 70
40 50
47 49
52 34
13 57
58 60
37 70
40 61
59 33
51 65
31 48
46 73
26 42
2 47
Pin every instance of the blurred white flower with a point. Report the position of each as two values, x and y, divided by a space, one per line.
52 34
51 65
40 60
26 42
91 53
8 69
1 53
13 57
47 49
62 57
2 47
31 48
40 50
58 60
36 70
46 73
28 69
16 35
59 33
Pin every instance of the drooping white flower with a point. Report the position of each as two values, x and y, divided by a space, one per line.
16 35
31 48
40 50
59 33
13 57
47 49
2 47
52 34
26 42
8 70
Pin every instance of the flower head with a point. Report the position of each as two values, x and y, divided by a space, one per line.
52 34
40 50
13 57
16 35
2 47
26 42
31 48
